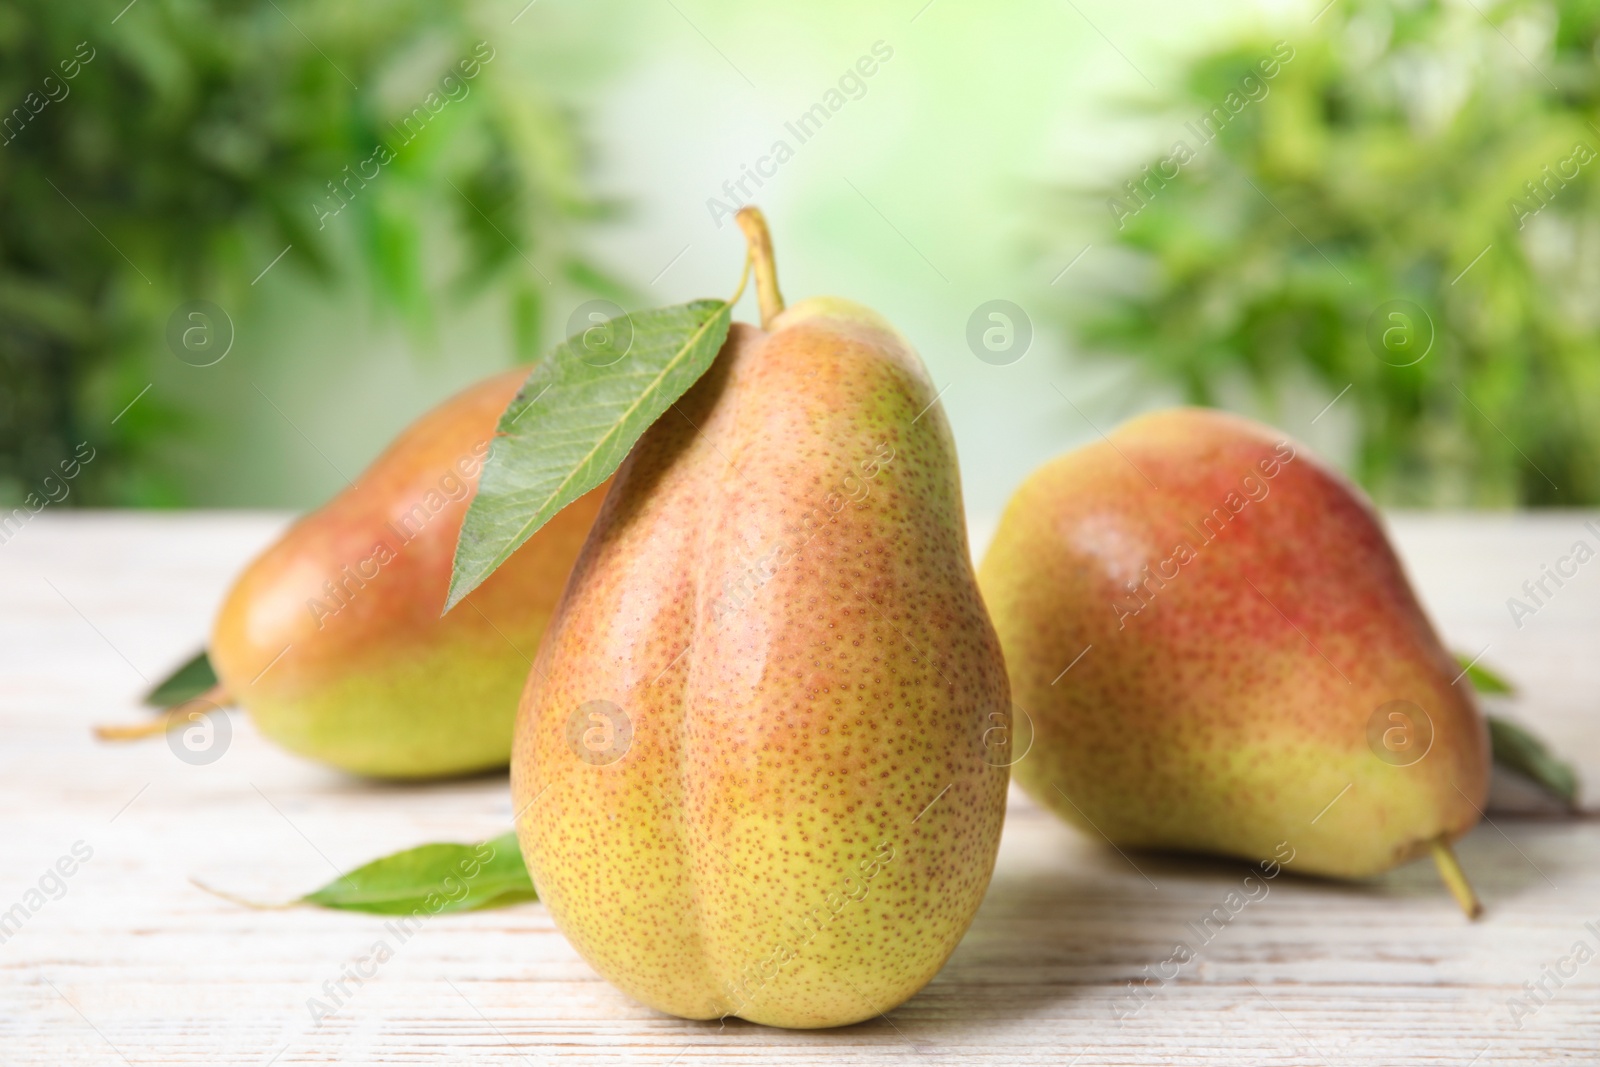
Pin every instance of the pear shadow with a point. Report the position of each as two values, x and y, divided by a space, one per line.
1057 932
888 1031
1069 922
339 783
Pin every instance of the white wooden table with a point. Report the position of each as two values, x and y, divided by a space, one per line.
132 964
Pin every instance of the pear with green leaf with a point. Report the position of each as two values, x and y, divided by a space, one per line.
332 637
759 765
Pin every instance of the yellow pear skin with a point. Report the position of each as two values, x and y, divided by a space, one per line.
1240 637
332 637
751 770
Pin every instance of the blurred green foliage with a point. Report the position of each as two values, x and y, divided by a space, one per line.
1438 153
169 152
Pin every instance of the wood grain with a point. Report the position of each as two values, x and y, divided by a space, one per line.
134 964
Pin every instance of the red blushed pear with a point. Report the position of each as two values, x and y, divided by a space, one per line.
1250 671
750 771
332 637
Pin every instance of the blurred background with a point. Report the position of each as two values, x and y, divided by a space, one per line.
244 242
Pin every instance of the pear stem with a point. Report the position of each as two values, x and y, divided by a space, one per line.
1455 878
215 697
754 225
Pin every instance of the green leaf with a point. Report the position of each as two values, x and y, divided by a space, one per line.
187 682
573 423
1483 679
1520 751
433 879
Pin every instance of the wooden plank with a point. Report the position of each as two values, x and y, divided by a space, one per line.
133 963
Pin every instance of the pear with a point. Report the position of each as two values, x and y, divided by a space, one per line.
1220 652
758 765
332 637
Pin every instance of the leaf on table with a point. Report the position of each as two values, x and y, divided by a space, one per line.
584 405
1519 750
187 682
1483 679
433 879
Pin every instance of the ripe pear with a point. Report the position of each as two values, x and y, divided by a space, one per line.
332 637
759 765
1220 652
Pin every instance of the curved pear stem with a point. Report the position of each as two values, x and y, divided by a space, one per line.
1455 878
178 714
754 225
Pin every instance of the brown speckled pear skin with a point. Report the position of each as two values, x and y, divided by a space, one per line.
1224 707
332 637
779 598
